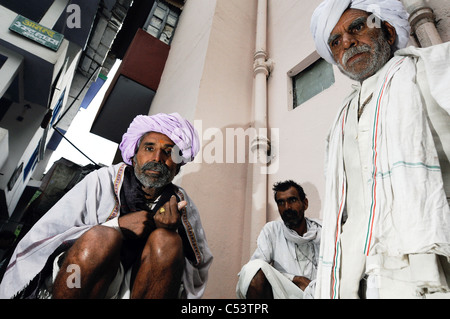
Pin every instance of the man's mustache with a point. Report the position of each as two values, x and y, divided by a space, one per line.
350 53
290 213
155 166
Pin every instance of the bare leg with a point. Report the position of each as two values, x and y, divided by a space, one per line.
162 264
259 287
97 254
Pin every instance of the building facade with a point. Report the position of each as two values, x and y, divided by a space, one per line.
52 51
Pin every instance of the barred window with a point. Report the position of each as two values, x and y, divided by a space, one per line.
314 79
162 21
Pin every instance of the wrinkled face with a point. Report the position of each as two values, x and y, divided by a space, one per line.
291 207
153 164
361 47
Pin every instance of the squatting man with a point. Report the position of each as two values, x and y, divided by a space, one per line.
284 264
130 231
386 217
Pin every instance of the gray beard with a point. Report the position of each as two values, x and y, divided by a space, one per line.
381 55
153 182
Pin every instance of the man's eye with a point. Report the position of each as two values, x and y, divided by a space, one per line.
358 27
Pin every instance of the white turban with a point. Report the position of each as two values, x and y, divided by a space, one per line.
328 13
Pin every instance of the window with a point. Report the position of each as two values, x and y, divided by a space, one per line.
162 21
31 162
57 107
112 114
314 79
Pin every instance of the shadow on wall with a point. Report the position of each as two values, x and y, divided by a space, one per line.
315 204
314 201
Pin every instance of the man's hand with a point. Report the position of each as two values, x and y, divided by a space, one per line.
138 224
301 282
135 224
168 216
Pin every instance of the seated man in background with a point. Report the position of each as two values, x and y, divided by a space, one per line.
124 231
284 265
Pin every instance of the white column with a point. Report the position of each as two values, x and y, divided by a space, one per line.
53 13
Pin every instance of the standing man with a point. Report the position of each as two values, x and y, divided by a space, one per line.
386 224
124 231
284 265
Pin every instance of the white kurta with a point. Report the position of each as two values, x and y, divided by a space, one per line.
93 201
282 254
386 214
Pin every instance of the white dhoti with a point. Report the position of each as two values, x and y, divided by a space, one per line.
282 287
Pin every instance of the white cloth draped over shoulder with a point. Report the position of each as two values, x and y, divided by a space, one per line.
408 211
94 201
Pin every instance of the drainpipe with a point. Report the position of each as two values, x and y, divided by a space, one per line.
260 145
422 21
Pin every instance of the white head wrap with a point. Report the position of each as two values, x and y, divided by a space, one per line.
328 13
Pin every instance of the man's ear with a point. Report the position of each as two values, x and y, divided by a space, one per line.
391 34
305 203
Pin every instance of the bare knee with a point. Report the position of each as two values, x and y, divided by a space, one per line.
97 254
97 244
164 246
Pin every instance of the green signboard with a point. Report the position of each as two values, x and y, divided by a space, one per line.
36 32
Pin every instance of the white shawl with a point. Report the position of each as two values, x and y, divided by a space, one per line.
94 201
276 244
408 209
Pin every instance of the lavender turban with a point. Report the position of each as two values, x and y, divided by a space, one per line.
179 130
328 13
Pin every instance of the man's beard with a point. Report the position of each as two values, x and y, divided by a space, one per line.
381 54
164 178
292 218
